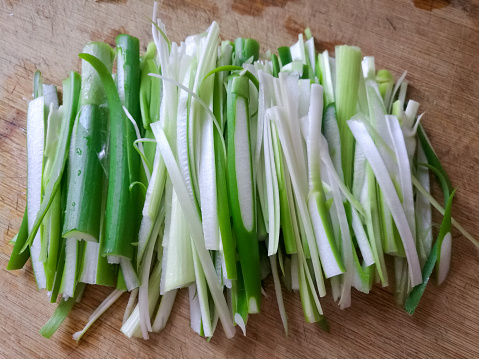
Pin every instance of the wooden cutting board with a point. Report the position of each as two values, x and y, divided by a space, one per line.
436 41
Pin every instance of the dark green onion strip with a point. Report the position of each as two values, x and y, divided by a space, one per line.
415 296
62 311
85 174
18 258
247 241
432 158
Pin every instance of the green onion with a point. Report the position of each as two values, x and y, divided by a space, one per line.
17 258
60 314
413 300
348 70
85 172
241 191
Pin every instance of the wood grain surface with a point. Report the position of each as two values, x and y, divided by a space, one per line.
436 41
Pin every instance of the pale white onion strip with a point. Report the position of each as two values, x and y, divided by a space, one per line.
364 140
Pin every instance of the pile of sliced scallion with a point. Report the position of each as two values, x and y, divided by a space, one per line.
202 165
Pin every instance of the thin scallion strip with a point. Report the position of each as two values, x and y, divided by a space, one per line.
60 314
241 191
415 296
348 70
17 258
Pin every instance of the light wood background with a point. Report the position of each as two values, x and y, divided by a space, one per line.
437 41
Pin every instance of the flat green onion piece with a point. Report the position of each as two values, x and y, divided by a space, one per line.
130 306
35 148
95 268
148 55
59 273
361 274
244 50
225 52
118 236
37 84
131 328
423 209
284 54
404 165
442 266
145 174
402 287
348 70
276 67
163 35
151 207
432 159
374 158
128 72
385 81
224 219
178 269
272 188
326 78
149 93
370 202
298 53
85 175
17 258
286 222
138 183
60 314
415 296
164 311
330 130
346 245
120 283
72 267
194 222
361 238
440 178
144 290
241 191
230 68
278 291
311 313
71 88
239 301
310 54
107 303
395 90
331 259
53 228
203 297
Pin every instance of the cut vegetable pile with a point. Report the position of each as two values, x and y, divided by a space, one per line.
205 165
